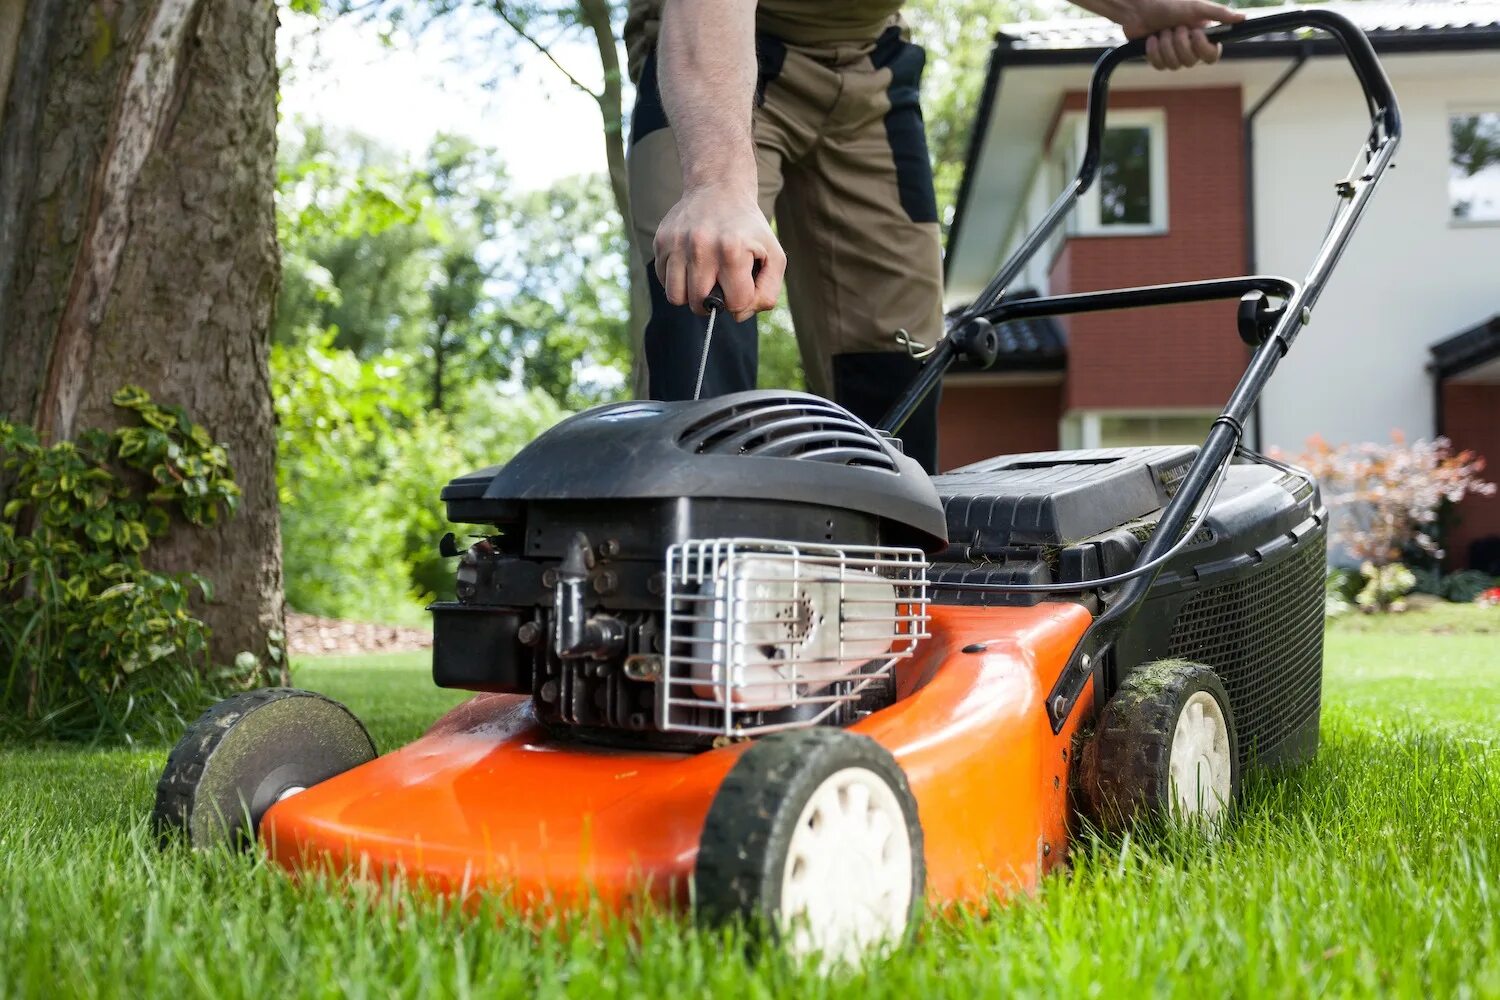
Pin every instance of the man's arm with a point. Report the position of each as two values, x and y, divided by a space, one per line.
1173 29
706 68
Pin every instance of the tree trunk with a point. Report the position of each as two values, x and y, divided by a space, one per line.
137 245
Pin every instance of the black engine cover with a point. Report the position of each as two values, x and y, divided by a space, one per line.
788 447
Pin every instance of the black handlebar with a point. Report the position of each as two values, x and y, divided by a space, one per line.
969 334
1379 96
1385 122
1380 100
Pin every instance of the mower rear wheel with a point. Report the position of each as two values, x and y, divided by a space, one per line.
247 753
1166 749
814 840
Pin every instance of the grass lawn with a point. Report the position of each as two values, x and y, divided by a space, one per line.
1376 869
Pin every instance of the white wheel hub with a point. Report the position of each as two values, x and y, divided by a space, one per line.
1200 763
847 883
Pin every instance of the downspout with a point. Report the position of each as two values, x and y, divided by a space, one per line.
1251 249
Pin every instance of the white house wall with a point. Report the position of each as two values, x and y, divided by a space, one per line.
1408 278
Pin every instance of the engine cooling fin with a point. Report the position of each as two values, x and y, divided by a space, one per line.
796 427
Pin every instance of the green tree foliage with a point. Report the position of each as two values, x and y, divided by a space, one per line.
361 461
564 319
92 643
442 261
355 238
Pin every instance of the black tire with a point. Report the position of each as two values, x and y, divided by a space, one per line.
1127 774
745 850
245 752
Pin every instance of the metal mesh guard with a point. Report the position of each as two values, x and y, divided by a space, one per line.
756 626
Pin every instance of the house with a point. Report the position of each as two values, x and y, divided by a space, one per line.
1227 170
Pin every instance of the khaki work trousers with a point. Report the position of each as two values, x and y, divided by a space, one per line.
844 171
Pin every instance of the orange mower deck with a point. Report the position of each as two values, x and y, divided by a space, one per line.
489 801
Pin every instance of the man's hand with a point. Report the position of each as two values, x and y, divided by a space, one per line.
714 235
1173 29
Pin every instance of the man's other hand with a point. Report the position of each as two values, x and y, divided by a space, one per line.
1173 30
715 236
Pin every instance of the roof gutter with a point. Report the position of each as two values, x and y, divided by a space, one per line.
1251 246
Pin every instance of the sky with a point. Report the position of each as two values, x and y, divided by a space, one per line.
340 73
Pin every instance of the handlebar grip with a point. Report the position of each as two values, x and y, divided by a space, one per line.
715 298
1356 45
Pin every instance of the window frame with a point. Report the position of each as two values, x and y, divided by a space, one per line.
1085 220
1454 111
1084 428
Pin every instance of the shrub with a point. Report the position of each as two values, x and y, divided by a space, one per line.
1339 590
1387 497
1461 587
91 642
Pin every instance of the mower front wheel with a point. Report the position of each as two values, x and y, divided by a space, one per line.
1166 749
247 753
814 840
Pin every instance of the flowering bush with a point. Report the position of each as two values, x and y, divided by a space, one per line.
1489 598
1387 496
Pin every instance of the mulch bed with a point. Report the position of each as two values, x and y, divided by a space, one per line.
309 635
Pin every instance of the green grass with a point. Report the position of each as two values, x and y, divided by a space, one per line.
1428 616
1373 870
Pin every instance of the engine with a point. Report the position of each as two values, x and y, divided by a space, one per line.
676 573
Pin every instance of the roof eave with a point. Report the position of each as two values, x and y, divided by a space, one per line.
987 97
1469 349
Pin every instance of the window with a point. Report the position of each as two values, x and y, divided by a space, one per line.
1129 194
1125 177
1123 429
1474 167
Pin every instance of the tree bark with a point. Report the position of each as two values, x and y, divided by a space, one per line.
137 245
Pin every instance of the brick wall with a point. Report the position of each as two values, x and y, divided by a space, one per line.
1187 356
1471 420
979 421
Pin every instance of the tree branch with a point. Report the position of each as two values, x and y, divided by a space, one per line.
518 29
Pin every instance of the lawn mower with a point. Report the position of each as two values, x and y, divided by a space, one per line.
742 654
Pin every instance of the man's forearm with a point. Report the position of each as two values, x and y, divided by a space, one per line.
706 60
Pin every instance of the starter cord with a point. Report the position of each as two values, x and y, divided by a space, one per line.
708 339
